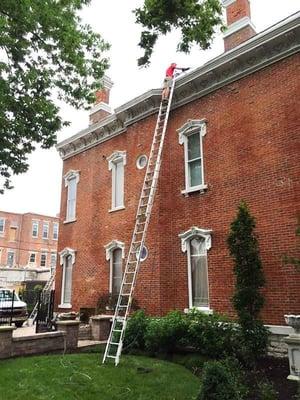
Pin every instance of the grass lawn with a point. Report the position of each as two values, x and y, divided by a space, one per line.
82 376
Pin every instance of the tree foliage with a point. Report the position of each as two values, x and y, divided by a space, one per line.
44 48
243 247
196 20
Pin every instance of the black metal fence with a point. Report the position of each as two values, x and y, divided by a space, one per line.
45 311
7 306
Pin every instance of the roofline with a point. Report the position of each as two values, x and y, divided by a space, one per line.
28 213
273 44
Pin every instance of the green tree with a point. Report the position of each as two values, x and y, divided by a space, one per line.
196 20
247 299
295 261
45 49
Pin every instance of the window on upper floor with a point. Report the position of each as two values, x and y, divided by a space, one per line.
45 234
71 181
43 259
2 225
67 260
115 254
12 233
55 230
196 242
191 135
116 163
35 229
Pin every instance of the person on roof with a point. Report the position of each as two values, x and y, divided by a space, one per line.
167 84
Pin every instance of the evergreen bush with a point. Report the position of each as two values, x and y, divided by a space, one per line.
135 331
222 380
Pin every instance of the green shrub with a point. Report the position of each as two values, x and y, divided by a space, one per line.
266 391
211 335
135 331
222 380
166 334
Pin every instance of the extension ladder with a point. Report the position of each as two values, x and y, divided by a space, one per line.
47 288
115 341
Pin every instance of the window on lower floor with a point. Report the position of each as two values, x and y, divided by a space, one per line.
32 258
43 259
10 258
117 272
67 260
196 242
12 234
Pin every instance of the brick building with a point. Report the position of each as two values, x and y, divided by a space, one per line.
28 247
233 134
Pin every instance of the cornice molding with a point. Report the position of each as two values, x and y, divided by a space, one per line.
100 107
274 44
238 25
192 232
191 126
111 246
115 157
67 251
226 3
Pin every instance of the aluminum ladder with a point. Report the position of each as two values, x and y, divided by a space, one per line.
48 286
115 341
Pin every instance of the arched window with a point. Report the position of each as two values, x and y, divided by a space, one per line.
115 252
67 260
196 242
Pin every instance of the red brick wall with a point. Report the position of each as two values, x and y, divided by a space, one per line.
238 10
251 152
238 37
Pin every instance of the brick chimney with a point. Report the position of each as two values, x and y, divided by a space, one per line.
239 25
101 108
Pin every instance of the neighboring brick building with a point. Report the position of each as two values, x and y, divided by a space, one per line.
233 134
28 247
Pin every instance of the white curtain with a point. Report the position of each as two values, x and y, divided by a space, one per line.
199 272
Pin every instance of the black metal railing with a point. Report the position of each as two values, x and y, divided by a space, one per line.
45 311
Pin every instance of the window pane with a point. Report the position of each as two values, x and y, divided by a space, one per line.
32 258
193 146
119 173
35 227
43 259
1 225
117 271
10 258
67 280
195 173
199 273
45 230
71 199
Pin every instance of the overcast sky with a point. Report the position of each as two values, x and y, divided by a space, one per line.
39 189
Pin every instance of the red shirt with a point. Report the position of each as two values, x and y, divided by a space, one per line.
170 71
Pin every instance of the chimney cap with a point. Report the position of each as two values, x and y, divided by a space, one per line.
107 82
227 3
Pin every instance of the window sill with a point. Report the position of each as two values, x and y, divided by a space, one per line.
117 209
205 310
69 221
65 306
199 188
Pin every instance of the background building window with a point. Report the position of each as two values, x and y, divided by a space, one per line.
12 234
35 229
45 230
32 258
52 262
43 259
2 225
10 258
55 230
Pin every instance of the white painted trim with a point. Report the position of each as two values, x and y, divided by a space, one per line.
67 305
116 209
55 224
38 225
115 157
237 26
63 257
107 82
199 188
100 107
66 252
226 3
280 329
205 310
45 223
138 159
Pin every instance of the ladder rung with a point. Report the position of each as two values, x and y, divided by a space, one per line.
114 343
125 294
117 330
109 356
123 306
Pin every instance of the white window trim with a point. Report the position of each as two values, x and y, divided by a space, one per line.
63 254
46 223
2 232
67 177
189 128
109 249
55 224
32 263
46 253
10 251
115 158
185 237
37 232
